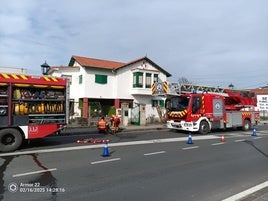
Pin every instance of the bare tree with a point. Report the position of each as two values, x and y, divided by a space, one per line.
184 80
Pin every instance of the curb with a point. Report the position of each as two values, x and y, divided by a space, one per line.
71 131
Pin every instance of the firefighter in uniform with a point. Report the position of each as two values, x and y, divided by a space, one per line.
115 121
102 125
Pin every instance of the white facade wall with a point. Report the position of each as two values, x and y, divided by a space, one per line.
123 83
96 90
151 112
77 90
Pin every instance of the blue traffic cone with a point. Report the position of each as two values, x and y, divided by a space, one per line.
190 141
105 150
254 133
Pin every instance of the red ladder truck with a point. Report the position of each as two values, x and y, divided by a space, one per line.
200 109
31 107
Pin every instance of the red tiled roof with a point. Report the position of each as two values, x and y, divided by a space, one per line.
106 64
261 91
99 63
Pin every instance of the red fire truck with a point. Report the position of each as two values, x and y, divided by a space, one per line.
31 107
200 109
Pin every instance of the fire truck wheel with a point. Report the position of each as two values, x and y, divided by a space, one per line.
10 140
204 127
246 126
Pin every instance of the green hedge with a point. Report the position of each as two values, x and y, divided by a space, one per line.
112 111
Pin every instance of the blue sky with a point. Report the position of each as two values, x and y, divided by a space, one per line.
209 42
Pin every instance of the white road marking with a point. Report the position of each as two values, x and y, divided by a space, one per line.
241 140
35 172
263 132
256 138
220 143
187 148
247 192
118 144
154 153
52 150
105 161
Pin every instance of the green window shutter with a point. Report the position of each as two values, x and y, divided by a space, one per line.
80 79
138 80
80 103
134 80
101 79
161 103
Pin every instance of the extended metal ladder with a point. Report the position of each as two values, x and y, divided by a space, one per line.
190 88
165 88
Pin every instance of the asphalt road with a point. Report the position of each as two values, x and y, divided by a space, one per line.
142 166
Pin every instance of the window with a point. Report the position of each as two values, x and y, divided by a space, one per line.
155 78
101 79
179 103
137 80
161 103
148 80
197 103
80 79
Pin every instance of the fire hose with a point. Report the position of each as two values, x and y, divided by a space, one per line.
92 140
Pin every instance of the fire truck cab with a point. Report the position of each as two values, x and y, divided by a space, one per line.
201 111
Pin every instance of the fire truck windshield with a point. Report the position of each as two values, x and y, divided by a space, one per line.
179 103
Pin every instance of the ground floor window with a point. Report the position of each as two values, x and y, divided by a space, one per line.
160 103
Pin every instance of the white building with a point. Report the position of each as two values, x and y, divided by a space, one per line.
97 85
262 101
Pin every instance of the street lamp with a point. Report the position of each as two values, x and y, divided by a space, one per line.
231 86
45 68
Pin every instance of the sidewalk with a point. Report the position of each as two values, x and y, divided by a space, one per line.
146 127
263 122
76 130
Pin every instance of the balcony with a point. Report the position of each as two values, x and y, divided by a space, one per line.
141 91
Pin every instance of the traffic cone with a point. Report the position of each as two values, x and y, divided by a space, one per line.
254 133
222 138
105 152
190 141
